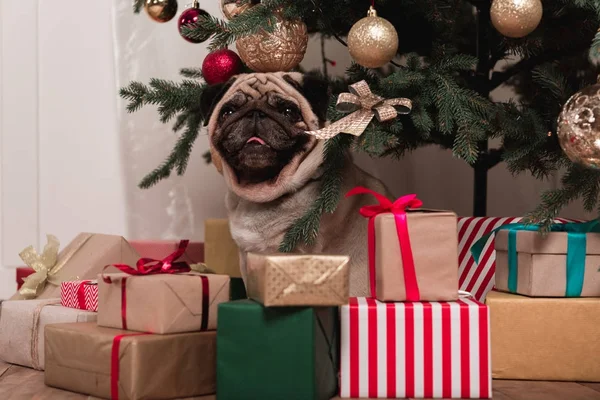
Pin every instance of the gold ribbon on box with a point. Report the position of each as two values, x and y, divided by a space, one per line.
46 265
363 106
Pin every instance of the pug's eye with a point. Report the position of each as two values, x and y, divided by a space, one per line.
291 113
226 112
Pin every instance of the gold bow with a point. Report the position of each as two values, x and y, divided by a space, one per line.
44 266
364 105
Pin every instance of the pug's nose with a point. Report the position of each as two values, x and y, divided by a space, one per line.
257 114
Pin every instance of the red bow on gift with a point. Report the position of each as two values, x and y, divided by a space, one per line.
150 266
398 208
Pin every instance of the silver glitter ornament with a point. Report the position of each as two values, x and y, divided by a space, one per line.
579 127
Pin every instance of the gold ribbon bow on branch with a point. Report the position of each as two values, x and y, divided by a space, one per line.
363 106
44 266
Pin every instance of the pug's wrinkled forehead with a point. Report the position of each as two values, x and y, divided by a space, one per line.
309 94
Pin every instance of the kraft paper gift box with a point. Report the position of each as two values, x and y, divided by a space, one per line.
276 353
415 349
112 363
548 339
559 264
162 303
84 258
79 294
413 252
221 253
298 280
22 325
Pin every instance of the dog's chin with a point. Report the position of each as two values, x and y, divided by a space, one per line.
257 163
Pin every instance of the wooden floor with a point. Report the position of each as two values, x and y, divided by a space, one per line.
18 383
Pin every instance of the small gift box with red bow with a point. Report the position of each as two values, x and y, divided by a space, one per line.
161 296
79 294
413 252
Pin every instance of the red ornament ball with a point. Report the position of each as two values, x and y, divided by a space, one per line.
190 16
219 66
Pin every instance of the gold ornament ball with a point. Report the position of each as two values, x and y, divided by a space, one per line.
161 10
579 127
280 50
231 8
516 18
373 41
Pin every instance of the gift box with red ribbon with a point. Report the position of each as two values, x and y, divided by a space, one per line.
117 364
412 251
161 296
79 294
415 349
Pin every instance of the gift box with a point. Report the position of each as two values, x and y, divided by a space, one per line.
560 264
22 325
549 339
298 280
221 253
276 353
161 303
112 363
79 294
412 252
415 349
22 273
156 249
84 258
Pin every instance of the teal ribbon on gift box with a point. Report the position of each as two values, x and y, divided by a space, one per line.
576 251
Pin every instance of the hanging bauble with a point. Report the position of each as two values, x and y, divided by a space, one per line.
578 128
233 8
373 41
161 10
190 16
516 18
280 50
220 65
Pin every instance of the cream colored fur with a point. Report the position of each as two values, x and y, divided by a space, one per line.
259 218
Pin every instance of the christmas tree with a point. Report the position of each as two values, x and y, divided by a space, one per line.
444 63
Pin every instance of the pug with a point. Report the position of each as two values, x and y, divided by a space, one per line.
273 169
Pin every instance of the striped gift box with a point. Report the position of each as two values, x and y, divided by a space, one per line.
79 294
415 349
474 278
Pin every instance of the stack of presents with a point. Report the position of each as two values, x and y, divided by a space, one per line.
166 320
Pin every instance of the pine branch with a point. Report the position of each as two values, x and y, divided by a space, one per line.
192 73
138 5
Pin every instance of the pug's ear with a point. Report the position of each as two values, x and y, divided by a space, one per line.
211 95
316 90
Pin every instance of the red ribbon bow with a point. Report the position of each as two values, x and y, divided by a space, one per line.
398 208
150 266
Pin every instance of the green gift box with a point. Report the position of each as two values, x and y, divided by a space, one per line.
276 353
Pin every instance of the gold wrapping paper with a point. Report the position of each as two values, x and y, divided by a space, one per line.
298 280
548 339
221 253
84 258
22 325
78 358
434 243
163 303
542 264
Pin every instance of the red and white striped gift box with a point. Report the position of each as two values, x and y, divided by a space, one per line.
474 278
415 349
79 294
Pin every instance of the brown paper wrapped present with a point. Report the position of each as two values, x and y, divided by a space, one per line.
22 325
221 254
111 363
162 303
540 267
83 258
548 339
298 280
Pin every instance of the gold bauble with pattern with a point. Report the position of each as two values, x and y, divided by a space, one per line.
280 50
516 18
161 10
373 41
578 127
233 8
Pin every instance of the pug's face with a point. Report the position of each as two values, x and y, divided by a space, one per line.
257 126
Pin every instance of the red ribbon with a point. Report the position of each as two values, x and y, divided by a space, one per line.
150 266
81 294
398 208
114 363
